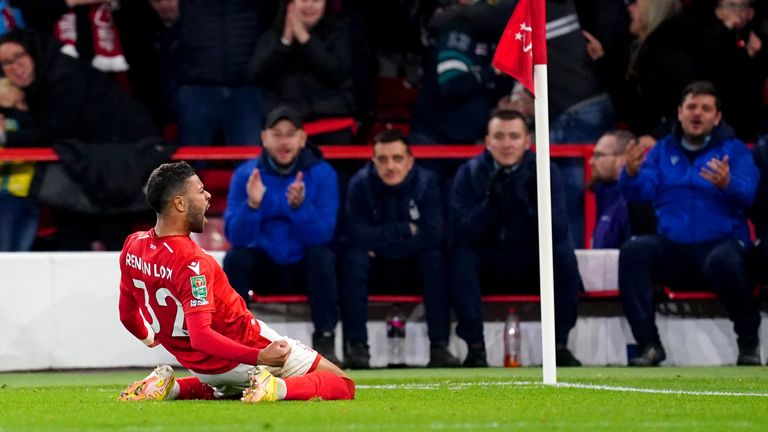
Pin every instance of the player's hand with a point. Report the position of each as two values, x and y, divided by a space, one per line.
296 191
414 229
275 354
150 340
255 189
635 155
594 47
717 172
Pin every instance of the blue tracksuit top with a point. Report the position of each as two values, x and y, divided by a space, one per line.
275 227
689 208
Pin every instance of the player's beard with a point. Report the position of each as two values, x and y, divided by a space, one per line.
196 219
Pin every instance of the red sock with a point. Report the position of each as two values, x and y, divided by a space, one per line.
323 384
192 388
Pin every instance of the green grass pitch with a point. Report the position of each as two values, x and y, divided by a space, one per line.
585 399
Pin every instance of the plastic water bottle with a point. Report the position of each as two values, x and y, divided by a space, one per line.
512 339
396 338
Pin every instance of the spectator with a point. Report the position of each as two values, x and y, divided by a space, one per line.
71 101
605 25
616 221
701 180
395 230
165 62
580 113
660 66
495 226
455 97
19 214
304 61
730 51
216 95
280 217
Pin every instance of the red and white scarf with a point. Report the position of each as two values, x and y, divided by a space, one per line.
10 20
107 48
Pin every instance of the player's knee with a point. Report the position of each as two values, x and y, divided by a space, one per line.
350 388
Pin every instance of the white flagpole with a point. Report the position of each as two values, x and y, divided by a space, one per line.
543 190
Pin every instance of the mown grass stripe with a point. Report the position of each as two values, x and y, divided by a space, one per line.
436 386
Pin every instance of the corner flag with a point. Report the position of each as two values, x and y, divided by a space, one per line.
523 43
522 53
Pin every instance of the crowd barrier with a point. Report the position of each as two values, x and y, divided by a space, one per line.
59 310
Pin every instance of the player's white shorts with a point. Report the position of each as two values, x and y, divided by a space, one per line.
301 360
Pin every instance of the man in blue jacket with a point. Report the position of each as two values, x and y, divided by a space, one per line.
395 224
495 233
701 180
280 218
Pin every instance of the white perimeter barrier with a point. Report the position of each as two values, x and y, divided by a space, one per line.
59 310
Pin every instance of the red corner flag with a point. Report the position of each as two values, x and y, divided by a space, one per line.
524 42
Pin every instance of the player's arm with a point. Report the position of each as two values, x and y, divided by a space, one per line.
208 341
132 319
195 287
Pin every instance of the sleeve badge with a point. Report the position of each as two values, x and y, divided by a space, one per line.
199 288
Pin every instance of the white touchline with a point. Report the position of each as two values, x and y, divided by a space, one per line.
458 385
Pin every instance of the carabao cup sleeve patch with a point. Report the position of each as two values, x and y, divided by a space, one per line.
199 288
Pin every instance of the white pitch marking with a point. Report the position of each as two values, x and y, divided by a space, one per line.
459 385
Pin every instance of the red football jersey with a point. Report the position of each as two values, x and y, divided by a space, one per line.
167 278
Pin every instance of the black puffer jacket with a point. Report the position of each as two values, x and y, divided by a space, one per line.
511 220
313 78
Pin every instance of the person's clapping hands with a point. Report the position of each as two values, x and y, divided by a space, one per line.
296 191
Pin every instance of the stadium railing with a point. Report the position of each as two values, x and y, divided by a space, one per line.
386 298
342 152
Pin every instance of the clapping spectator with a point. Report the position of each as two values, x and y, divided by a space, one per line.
304 61
280 218
616 220
701 180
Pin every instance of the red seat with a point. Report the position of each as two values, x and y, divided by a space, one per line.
688 295
327 125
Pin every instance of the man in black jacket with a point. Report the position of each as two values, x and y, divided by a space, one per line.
495 233
395 230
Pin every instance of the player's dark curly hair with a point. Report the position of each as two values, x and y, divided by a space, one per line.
165 182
